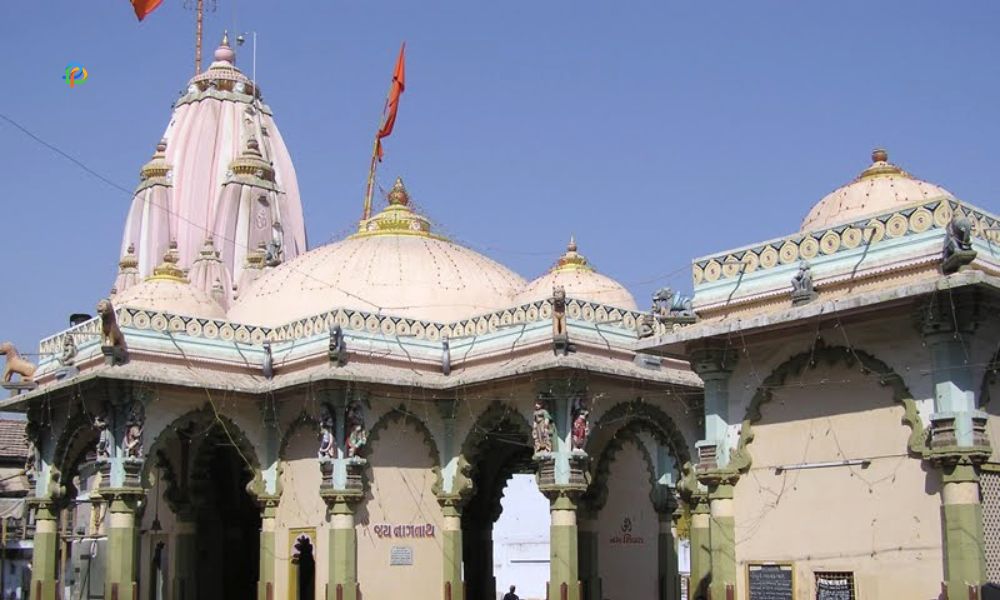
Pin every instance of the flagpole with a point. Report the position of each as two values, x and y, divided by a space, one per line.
370 189
197 40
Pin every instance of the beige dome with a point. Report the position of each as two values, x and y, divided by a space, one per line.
881 187
394 264
168 291
580 281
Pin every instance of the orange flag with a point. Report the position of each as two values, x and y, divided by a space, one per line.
144 7
392 102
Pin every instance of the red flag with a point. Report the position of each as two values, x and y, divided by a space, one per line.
144 7
392 102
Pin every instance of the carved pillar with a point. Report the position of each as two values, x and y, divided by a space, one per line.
268 548
267 498
716 468
664 497
563 547
590 574
44 558
342 488
563 476
185 558
451 548
343 558
958 441
122 569
455 487
701 557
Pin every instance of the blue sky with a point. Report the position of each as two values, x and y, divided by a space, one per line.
654 131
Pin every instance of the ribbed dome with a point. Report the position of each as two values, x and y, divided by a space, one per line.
881 187
168 291
393 264
580 281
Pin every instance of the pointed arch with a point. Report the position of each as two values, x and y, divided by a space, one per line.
400 414
303 420
637 416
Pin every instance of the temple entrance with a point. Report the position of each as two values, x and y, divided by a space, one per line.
228 539
504 449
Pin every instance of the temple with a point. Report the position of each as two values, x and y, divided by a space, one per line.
250 417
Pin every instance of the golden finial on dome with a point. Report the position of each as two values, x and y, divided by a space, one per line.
881 165
130 260
168 269
572 260
398 195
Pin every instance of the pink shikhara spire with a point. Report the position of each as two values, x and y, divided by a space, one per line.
221 171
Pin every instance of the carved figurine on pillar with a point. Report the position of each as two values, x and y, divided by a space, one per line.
67 360
327 441
581 423
112 340
33 459
560 337
358 436
958 250
803 290
542 426
133 439
105 441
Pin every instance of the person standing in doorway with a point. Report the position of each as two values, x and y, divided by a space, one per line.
510 595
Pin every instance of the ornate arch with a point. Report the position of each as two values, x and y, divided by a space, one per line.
638 416
77 425
303 420
831 355
488 420
220 429
400 414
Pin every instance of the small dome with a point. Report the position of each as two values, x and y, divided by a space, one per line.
393 264
168 291
881 187
580 281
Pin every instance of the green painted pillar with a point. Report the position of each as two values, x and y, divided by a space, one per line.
701 557
185 560
451 549
962 515
265 581
343 559
45 555
666 558
590 574
722 537
121 569
563 548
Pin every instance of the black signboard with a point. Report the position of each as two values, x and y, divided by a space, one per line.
769 582
834 588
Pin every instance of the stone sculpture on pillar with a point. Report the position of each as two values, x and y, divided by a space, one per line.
542 426
105 441
581 423
338 348
67 360
327 441
112 340
357 436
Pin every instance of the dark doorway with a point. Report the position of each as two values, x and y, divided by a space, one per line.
503 449
228 521
305 564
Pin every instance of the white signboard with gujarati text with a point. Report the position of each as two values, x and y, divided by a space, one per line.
401 556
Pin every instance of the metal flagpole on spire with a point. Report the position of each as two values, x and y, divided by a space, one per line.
199 14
